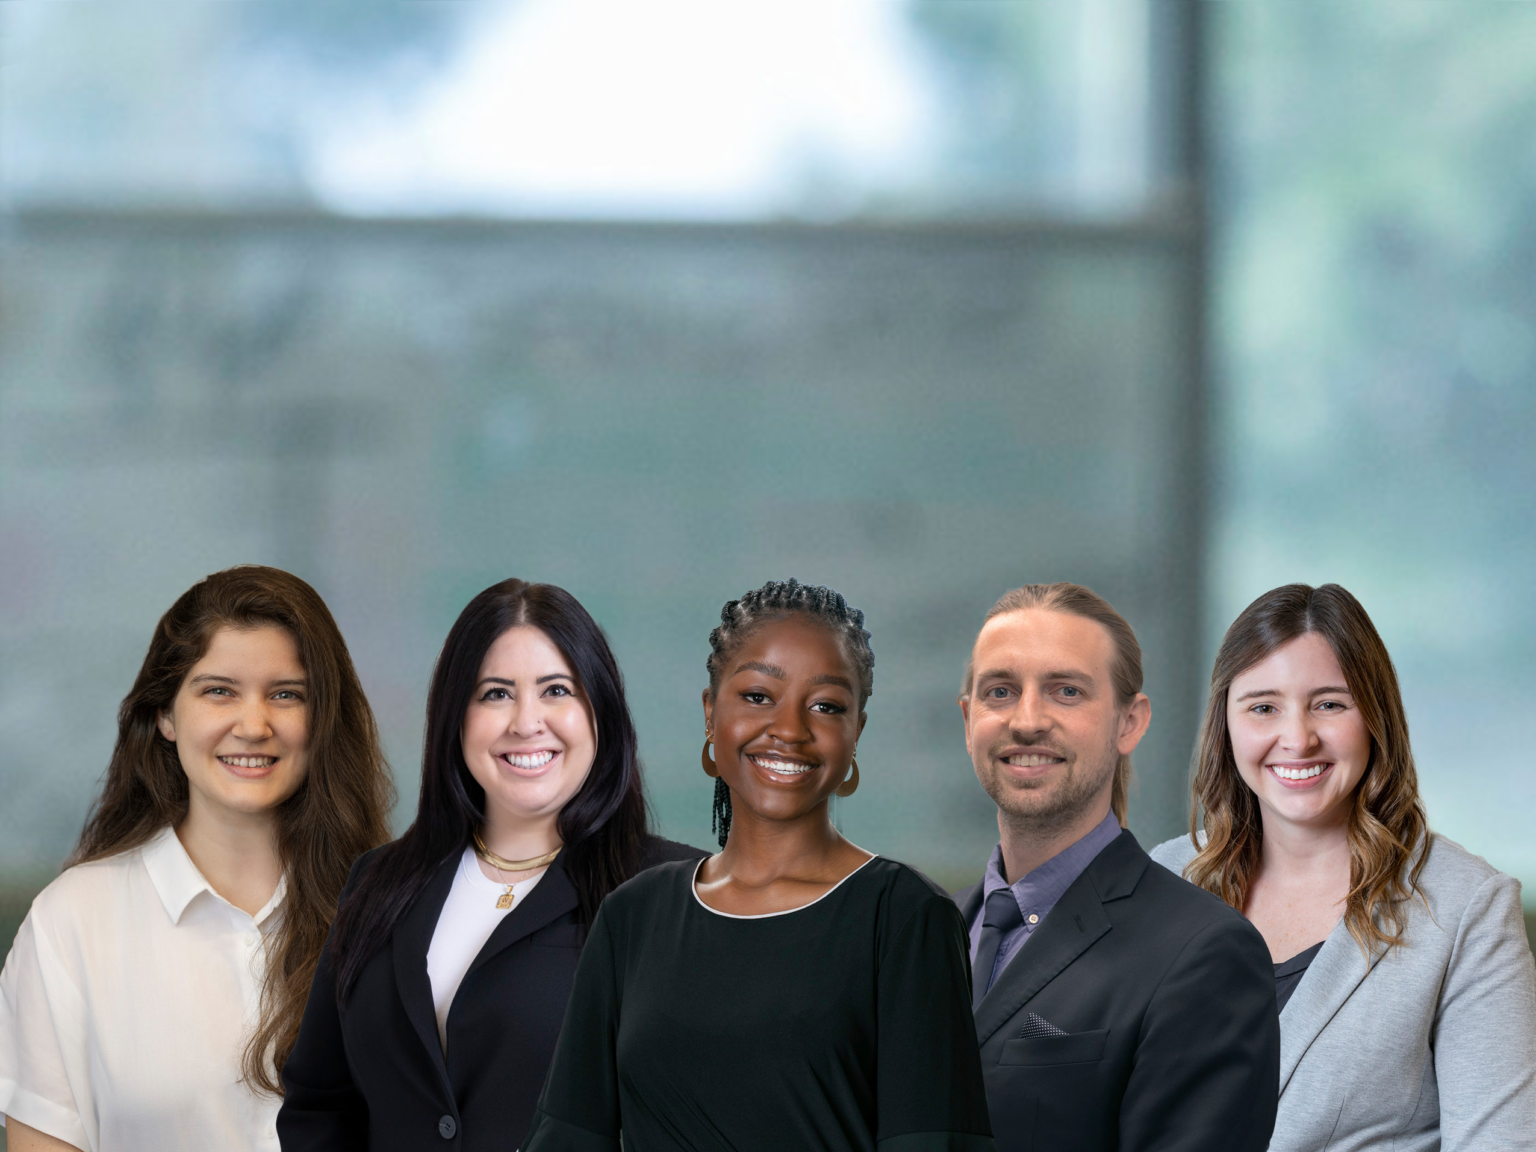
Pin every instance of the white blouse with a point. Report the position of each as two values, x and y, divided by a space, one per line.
468 918
125 1004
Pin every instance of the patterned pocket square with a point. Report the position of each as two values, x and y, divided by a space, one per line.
1038 1026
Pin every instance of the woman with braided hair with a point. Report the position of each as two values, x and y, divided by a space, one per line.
793 991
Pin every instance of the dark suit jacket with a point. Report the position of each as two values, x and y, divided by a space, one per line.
1167 997
373 1075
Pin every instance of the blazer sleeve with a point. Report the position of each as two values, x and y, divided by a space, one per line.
1485 1027
930 1095
322 1111
579 1108
1206 1074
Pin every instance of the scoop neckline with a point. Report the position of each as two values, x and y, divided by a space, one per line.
693 887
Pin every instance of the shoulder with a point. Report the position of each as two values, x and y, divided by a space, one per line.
1174 854
78 892
1460 888
667 883
903 894
658 851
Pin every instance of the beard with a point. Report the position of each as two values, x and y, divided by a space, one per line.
1051 804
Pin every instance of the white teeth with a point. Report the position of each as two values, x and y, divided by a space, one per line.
1033 760
536 760
249 761
782 767
1298 773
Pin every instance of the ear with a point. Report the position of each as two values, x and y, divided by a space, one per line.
709 711
863 719
167 728
1133 726
965 717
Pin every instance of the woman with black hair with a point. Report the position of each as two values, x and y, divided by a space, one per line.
794 991
439 995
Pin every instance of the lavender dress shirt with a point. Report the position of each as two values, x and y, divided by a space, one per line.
1038 891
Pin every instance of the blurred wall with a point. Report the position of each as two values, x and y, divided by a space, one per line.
656 417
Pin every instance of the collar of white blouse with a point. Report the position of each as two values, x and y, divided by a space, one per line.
178 882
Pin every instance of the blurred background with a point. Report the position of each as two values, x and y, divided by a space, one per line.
922 299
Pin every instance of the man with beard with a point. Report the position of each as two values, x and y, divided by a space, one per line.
1118 1007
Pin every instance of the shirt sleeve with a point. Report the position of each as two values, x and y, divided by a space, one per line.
930 1096
579 1108
44 1046
1206 1074
1485 1027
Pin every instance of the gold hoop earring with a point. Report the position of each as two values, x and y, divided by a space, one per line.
710 768
851 785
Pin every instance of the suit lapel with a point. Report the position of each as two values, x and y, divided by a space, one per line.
412 937
552 897
1330 980
1077 920
969 900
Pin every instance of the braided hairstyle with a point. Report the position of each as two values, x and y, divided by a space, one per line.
774 601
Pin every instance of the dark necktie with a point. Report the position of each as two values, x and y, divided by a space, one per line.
1000 917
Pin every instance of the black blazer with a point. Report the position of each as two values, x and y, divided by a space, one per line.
1167 999
373 1076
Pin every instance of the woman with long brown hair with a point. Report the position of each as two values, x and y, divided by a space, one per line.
155 989
1407 995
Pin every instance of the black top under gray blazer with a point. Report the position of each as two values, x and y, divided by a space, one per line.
1139 1015
373 1076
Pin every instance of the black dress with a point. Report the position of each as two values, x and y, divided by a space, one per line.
844 1024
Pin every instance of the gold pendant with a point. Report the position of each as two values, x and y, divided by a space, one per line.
505 899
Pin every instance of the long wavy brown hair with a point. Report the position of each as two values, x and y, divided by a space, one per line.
340 811
1387 828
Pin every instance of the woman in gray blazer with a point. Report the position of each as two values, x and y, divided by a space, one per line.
1405 982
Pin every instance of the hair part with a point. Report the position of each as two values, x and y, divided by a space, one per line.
340 811
1387 828
1124 670
776 600
603 827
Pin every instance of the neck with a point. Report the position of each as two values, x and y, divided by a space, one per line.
513 836
761 851
1027 843
1303 853
235 851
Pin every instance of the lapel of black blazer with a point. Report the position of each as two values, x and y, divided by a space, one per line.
412 937
969 900
552 897
1077 920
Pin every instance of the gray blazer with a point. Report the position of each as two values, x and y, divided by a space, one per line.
1431 1047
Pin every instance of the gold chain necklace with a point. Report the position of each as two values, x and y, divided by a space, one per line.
503 865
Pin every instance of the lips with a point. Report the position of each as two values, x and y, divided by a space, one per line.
781 766
249 766
1299 775
528 761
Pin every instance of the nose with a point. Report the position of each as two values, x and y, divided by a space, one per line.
527 716
253 723
787 724
1029 718
1298 734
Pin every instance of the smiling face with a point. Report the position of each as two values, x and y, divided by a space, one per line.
528 735
240 721
1042 723
1298 739
785 718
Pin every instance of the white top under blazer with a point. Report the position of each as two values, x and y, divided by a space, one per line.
1428 1048
125 1004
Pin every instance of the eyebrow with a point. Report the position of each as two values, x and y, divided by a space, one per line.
1332 689
540 680
211 678
766 669
1058 674
840 681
